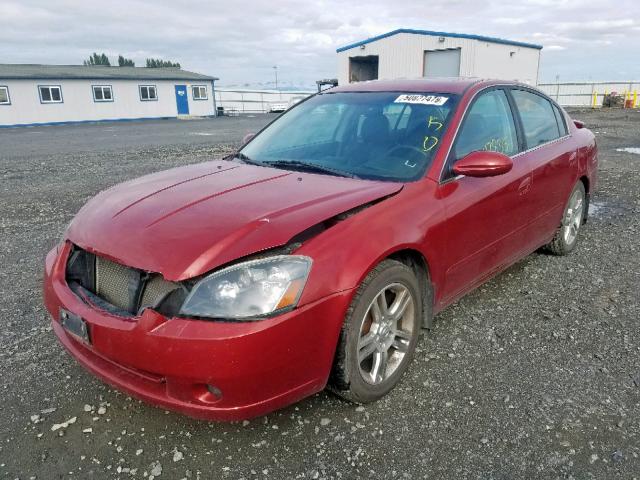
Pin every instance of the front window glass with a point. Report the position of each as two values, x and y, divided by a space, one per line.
488 126
374 135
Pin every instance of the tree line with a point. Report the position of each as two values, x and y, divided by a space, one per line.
102 59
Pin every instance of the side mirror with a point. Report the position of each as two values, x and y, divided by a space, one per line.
247 138
579 124
483 164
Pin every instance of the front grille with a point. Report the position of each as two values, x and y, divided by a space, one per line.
115 283
122 289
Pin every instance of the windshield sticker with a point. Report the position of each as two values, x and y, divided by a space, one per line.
422 99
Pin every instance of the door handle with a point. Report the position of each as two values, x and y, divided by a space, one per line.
525 186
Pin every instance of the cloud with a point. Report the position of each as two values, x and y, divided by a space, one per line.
509 21
240 42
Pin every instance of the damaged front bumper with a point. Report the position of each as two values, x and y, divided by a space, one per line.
205 369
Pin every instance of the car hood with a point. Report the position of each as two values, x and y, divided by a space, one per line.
186 221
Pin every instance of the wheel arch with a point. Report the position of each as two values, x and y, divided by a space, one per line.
587 196
418 263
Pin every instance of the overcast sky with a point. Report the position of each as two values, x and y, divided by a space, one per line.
240 42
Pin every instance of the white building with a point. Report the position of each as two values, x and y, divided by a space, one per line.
406 53
53 94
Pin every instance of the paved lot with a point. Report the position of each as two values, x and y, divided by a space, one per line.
125 136
534 375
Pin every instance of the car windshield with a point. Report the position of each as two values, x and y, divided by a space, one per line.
373 135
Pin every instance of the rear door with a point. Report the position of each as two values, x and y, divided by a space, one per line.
485 216
552 160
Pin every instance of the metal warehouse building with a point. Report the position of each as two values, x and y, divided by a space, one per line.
407 53
51 94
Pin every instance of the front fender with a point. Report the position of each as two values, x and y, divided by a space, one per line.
344 254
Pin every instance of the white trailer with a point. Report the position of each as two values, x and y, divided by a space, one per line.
53 94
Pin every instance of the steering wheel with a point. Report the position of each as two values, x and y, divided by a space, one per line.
409 148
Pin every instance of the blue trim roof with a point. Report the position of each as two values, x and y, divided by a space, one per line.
440 34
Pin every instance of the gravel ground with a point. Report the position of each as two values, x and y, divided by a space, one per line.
535 374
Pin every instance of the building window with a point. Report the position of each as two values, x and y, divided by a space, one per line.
50 93
148 93
4 96
199 92
102 93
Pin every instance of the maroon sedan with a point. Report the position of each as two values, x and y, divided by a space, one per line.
315 254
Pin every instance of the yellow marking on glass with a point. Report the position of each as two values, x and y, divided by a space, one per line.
434 121
500 145
428 139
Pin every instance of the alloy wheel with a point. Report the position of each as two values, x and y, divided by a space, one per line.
573 217
385 333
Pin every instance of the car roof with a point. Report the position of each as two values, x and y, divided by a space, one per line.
453 85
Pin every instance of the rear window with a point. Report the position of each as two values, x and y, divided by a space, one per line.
538 118
562 124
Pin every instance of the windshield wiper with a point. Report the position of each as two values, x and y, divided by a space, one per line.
308 167
241 156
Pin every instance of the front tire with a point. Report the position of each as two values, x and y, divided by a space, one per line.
379 334
573 217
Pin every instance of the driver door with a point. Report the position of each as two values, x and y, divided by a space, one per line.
485 216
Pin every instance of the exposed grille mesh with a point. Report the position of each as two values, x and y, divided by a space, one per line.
115 283
155 290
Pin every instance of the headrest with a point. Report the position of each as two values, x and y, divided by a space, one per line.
375 128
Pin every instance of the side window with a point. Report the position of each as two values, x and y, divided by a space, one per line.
538 118
562 124
488 125
199 92
50 93
102 93
148 93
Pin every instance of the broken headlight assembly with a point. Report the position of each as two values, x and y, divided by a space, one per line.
249 289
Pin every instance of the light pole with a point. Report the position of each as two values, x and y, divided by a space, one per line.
275 69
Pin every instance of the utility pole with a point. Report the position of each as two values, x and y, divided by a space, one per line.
275 69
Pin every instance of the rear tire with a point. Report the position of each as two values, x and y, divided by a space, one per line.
566 237
379 334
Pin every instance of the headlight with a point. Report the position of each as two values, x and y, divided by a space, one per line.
249 289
